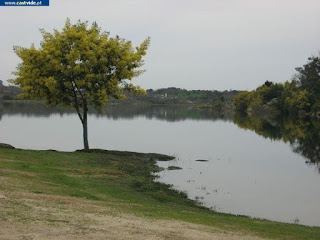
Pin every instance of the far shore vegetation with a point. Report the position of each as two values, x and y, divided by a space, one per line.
213 99
117 181
300 96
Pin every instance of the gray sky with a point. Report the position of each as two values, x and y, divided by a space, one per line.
203 44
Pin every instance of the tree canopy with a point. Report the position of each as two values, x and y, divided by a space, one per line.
78 67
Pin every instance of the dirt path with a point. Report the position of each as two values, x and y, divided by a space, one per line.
37 216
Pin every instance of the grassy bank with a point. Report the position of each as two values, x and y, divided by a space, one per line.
121 181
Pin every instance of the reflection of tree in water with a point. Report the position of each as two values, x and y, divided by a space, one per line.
302 134
1 110
163 112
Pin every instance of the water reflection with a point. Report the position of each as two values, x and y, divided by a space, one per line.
1 110
170 113
302 134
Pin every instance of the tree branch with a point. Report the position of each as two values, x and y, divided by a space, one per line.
76 101
78 89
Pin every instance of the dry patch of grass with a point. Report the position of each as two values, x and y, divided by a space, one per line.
30 174
34 216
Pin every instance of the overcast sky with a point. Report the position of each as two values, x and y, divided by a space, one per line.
195 44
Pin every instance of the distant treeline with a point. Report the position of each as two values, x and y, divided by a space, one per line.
9 92
301 95
170 95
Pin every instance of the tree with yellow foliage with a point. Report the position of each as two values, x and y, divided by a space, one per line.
78 67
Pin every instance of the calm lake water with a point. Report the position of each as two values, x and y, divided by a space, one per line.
263 169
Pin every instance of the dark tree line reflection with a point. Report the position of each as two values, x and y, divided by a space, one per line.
302 134
170 113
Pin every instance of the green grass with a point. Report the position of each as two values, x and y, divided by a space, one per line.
124 181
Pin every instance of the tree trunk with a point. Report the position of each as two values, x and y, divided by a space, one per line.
85 131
